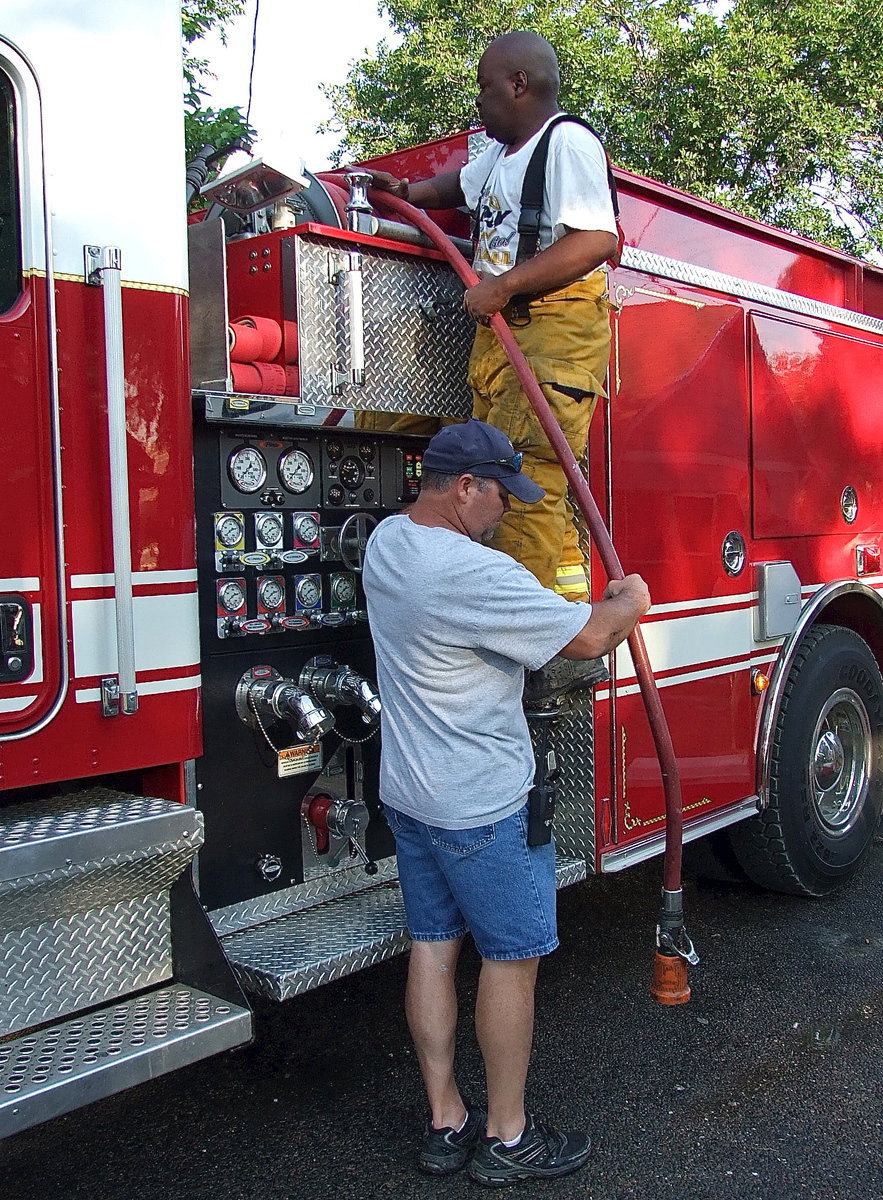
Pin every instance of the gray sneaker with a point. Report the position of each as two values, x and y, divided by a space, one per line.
562 675
444 1151
541 1153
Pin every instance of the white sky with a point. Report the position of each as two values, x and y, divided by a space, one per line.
300 44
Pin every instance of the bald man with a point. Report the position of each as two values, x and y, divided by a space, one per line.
555 302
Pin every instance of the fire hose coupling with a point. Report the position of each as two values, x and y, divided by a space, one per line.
335 683
344 820
262 694
671 936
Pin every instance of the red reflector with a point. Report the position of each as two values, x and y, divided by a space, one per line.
867 560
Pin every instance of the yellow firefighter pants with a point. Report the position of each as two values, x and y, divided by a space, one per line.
567 343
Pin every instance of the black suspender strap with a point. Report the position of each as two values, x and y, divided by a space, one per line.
534 185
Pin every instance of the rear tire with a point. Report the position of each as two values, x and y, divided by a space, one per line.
826 770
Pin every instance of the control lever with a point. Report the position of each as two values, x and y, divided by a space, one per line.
263 694
335 683
344 819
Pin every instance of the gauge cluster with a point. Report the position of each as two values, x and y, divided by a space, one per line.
289 522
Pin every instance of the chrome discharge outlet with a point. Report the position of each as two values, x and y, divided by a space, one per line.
335 683
262 694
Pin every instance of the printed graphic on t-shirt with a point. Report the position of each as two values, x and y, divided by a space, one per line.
494 247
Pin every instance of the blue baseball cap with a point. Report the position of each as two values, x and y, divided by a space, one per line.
475 448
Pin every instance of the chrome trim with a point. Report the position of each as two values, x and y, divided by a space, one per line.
104 270
618 860
744 289
24 68
779 676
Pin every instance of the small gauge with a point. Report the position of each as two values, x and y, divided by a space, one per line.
366 452
247 469
336 494
229 530
271 593
308 591
306 530
335 450
296 471
231 596
351 473
269 529
343 590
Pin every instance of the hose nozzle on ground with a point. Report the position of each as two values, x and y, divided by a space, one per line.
674 951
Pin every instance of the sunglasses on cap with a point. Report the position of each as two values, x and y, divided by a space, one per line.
515 462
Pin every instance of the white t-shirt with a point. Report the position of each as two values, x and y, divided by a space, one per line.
454 624
576 193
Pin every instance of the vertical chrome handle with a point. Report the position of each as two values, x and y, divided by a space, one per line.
104 270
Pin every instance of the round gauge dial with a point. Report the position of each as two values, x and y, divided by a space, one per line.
335 450
351 473
306 530
308 592
296 471
271 593
344 590
366 451
231 596
270 529
229 530
247 469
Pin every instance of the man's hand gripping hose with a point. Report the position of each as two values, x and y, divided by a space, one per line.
674 950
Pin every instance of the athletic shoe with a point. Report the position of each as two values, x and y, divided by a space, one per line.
541 1153
444 1151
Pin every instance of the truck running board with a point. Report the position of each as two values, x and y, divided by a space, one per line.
303 949
58 1068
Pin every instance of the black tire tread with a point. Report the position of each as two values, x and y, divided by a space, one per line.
759 843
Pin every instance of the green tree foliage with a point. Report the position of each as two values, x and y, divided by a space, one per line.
771 107
204 125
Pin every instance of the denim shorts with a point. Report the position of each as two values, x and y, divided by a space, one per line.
486 881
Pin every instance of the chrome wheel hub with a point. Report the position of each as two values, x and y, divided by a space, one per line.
841 761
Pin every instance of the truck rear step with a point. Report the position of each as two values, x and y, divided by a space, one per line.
110 972
61 1067
314 945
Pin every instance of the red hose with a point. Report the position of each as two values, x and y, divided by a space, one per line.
671 780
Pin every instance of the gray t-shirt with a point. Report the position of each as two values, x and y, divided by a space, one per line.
454 624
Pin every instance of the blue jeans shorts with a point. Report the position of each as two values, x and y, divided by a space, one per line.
485 880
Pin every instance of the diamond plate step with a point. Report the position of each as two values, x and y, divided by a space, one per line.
64 1066
302 950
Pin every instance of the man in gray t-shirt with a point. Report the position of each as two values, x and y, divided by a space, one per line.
454 625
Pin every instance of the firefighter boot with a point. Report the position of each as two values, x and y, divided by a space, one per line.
562 675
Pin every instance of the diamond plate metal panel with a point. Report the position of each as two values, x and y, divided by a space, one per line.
57 967
317 945
90 884
52 1071
571 736
417 336
100 823
306 895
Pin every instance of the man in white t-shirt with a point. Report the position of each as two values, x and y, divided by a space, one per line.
561 321
454 625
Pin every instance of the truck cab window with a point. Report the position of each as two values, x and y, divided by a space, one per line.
10 239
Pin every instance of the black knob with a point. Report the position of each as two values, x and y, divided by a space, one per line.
371 868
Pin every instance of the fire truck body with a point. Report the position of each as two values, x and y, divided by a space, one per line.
231 703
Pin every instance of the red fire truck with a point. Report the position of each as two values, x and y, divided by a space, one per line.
188 719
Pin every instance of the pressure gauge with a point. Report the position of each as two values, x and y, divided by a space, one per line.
296 471
306 530
343 590
268 527
247 469
229 530
351 473
231 596
308 591
271 593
